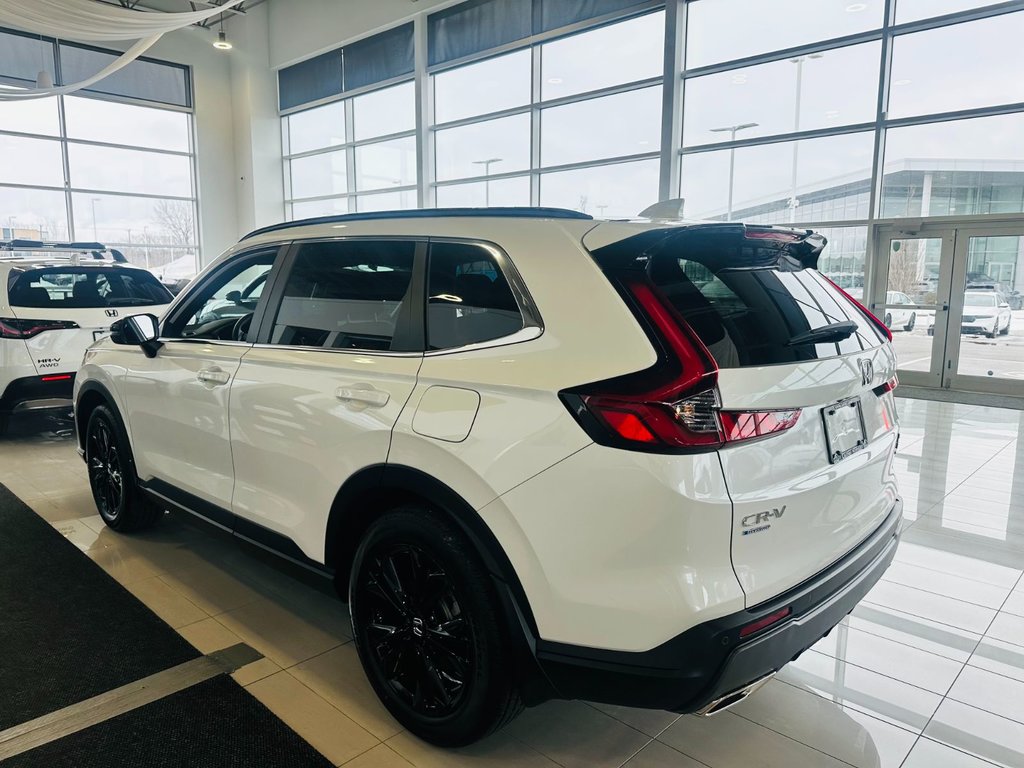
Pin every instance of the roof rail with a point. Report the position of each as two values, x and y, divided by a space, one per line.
97 250
524 212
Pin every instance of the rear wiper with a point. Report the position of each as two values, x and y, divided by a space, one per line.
825 334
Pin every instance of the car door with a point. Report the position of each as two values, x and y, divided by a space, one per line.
317 397
178 400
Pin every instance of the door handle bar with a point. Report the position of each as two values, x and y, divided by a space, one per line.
371 397
213 377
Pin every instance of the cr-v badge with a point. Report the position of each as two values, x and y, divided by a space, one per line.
759 522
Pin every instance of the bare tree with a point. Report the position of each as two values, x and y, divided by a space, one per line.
906 263
176 217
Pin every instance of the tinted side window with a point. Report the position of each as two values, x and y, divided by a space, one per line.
214 308
468 297
350 294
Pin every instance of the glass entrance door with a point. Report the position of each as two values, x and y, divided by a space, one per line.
954 301
985 348
910 292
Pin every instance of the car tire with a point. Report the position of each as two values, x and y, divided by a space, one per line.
1004 332
437 656
112 478
888 320
931 331
910 325
5 421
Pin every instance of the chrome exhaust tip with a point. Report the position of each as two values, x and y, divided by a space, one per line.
732 699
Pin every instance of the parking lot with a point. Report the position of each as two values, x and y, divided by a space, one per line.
1001 357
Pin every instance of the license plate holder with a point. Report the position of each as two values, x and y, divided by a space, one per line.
844 428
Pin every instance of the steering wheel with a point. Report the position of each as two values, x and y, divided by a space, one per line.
241 327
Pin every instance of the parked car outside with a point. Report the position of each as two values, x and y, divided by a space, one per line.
985 312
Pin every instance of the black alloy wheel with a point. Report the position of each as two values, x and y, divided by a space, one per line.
115 489
428 629
106 472
420 641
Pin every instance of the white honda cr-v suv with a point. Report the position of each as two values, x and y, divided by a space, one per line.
641 462
55 300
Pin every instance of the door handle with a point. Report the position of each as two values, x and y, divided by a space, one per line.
213 376
372 398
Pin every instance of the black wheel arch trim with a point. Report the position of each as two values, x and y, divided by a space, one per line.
381 482
81 423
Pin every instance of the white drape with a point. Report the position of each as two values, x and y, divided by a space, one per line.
87 20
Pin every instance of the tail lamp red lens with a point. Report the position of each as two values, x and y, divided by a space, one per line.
764 623
14 328
882 327
888 386
681 409
57 377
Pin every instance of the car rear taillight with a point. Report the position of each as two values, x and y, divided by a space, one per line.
674 406
13 328
56 377
882 327
888 386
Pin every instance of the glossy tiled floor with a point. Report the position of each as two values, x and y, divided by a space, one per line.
927 673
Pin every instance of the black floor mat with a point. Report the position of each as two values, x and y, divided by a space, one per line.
68 631
215 724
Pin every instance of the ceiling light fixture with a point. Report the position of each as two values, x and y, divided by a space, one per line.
555 80
222 43
901 82
856 7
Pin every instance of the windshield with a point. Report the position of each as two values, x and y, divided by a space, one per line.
85 287
980 300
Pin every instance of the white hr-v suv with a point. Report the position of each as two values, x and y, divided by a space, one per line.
55 300
643 462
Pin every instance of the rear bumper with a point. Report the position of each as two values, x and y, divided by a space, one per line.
711 660
32 392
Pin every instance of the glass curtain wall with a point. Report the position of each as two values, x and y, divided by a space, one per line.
860 112
884 109
356 154
104 167
574 122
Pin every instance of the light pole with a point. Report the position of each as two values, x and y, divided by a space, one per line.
799 61
732 129
95 235
487 180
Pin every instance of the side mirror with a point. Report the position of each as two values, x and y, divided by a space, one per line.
1004 305
235 297
137 330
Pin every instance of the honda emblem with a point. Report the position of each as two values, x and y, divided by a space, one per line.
867 371
111 312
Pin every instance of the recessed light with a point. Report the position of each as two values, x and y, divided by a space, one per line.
739 79
643 143
856 7
555 80
901 82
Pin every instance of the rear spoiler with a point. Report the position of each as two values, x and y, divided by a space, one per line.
722 246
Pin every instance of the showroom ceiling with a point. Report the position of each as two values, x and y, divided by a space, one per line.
179 6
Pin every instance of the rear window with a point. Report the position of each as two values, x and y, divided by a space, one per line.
757 316
86 287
